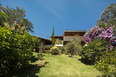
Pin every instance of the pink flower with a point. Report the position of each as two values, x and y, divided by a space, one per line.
111 46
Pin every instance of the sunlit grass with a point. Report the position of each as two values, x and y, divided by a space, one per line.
64 66
54 66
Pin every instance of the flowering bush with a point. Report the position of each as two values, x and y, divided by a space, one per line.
92 34
97 32
113 40
100 49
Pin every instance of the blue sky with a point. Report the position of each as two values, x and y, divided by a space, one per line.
62 14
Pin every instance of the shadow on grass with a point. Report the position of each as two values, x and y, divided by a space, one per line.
70 56
28 70
88 63
33 59
25 71
46 63
85 62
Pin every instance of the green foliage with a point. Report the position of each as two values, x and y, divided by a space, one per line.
110 23
48 52
36 42
41 50
107 64
15 42
109 13
98 51
74 46
3 18
17 15
15 49
108 17
94 50
53 38
54 50
69 49
62 49
58 41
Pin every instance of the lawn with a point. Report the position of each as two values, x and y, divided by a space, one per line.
65 66
55 66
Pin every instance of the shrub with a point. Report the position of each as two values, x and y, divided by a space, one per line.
54 50
73 47
107 64
97 32
41 50
58 41
47 52
94 50
36 43
69 49
62 49
15 49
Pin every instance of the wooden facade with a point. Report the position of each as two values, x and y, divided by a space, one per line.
69 34
58 37
74 32
45 43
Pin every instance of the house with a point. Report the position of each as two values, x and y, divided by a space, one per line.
63 40
58 37
69 34
45 43
59 41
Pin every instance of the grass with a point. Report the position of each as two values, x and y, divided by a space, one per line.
64 66
55 66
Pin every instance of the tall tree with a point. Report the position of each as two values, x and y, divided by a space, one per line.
3 18
17 15
53 38
109 13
